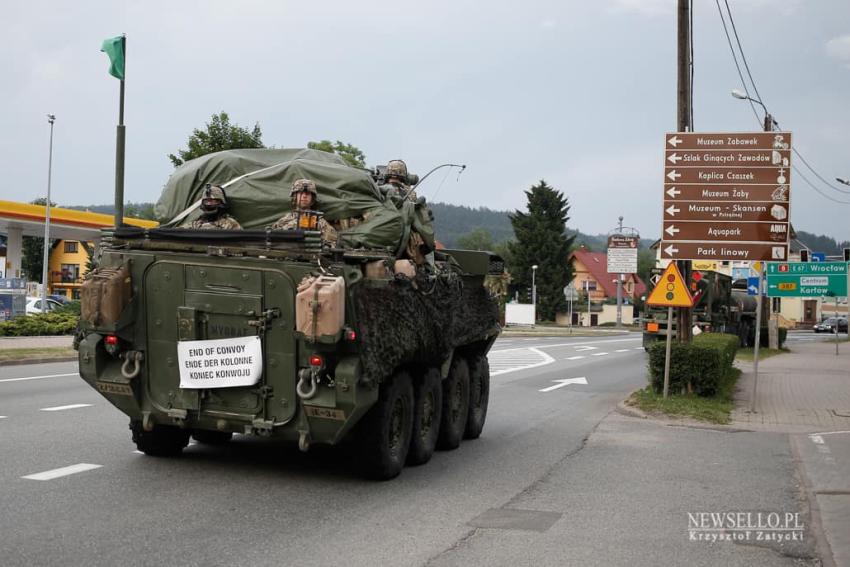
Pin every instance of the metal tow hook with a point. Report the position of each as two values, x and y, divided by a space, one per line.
135 358
304 376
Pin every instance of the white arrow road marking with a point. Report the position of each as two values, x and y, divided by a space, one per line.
674 158
565 382
670 250
64 471
672 210
584 348
61 408
674 175
37 377
673 192
674 141
671 230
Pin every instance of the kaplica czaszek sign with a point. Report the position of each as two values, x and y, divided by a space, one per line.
220 363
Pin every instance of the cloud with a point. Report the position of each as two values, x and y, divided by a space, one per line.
644 7
839 47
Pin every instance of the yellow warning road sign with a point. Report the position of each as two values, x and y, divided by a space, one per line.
671 290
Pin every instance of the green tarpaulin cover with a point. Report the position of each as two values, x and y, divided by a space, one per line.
257 183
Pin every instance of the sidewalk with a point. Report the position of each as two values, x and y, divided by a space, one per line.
36 342
806 393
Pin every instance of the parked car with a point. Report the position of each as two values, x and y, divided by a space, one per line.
34 305
828 325
63 299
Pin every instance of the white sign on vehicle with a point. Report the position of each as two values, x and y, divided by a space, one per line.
220 363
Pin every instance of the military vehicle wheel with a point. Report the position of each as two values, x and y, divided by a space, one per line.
427 408
479 395
206 437
455 405
385 431
163 441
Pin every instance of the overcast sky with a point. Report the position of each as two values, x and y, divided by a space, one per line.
578 93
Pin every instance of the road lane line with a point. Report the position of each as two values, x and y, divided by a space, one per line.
64 471
61 408
3 417
573 344
622 350
574 357
599 354
505 366
37 377
638 348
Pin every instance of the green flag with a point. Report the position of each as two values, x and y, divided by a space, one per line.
114 48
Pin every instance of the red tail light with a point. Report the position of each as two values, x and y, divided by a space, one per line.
111 340
316 360
350 335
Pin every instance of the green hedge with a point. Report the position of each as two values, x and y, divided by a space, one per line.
55 323
698 367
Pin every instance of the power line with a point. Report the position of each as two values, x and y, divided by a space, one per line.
758 96
741 49
806 179
735 58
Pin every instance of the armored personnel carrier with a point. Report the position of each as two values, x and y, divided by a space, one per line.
208 333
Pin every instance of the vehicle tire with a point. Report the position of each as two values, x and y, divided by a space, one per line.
455 405
744 334
162 441
479 395
427 409
384 434
207 437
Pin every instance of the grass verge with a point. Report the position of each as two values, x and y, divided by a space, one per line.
17 354
714 409
746 353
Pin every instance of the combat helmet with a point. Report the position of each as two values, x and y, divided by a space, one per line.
213 193
300 186
397 168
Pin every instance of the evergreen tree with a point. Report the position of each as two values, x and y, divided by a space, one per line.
352 155
541 239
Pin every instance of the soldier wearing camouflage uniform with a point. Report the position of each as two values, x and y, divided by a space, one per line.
214 207
303 197
396 186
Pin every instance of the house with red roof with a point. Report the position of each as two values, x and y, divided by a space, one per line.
591 271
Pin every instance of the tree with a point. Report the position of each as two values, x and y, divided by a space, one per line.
477 239
352 155
219 135
140 211
541 240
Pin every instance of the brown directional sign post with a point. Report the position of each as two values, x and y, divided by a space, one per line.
726 196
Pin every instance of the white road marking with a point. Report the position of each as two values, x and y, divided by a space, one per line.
599 354
138 452
64 471
2 417
512 360
37 377
638 348
564 382
575 357
622 350
584 348
61 408
816 439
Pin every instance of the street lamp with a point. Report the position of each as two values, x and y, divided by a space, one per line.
534 289
45 257
769 122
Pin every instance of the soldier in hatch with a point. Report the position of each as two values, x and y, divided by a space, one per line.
396 185
214 207
304 215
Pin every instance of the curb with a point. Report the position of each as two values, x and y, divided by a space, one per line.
630 411
37 360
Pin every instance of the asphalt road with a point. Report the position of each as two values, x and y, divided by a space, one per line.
74 491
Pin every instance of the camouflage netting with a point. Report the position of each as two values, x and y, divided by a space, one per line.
257 182
391 320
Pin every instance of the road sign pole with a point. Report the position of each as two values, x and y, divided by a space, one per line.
758 342
667 351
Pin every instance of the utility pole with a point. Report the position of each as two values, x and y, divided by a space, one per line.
620 285
45 272
772 323
684 104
